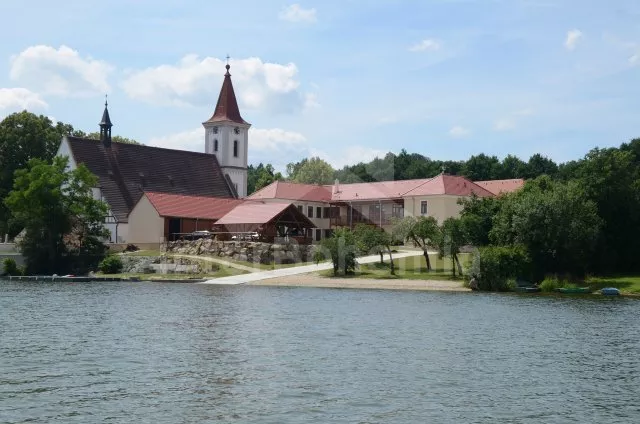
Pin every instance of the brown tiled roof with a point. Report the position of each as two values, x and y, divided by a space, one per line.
125 171
374 190
227 106
293 191
181 206
251 215
449 184
502 186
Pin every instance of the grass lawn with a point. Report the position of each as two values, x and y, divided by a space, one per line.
626 284
151 253
409 268
224 271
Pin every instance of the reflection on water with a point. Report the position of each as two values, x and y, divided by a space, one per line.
137 352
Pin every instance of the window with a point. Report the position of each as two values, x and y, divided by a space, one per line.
310 211
318 212
299 208
423 207
327 213
397 211
318 234
235 148
215 145
328 233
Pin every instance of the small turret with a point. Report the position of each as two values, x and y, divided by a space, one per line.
105 126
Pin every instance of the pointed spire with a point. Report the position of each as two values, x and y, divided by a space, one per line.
227 106
105 125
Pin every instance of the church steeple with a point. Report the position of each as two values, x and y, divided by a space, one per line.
227 106
105 125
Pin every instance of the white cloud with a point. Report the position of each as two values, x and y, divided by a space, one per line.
61 72
424 45
196 81
634 59
459 132
350 155
572 39
274 140
504 125
18 99
295 13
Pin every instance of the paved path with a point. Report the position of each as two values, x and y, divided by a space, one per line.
218 261
295 270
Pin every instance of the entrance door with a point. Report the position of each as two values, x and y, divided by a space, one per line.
174 228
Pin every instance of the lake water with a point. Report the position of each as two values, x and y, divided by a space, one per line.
179 353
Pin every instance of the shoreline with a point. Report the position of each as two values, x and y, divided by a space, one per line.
314 280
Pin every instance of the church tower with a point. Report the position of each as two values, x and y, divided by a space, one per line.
227 136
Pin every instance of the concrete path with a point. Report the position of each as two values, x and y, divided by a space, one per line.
295 270
218 261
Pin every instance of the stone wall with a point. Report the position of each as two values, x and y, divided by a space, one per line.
265 253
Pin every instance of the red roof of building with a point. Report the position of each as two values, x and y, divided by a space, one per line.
451 185
293 191
502 186
181 206
376 190
227 106
253 213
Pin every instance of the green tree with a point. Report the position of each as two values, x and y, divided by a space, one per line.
512 167
24 136
423 231
481 167
63 223
372 239
340 249
96 136
311 171
555 221
477 218
540 165
451 239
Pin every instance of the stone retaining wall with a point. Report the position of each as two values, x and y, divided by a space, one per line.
265 253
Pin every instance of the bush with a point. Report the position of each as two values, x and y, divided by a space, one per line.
111 265
10 267
551 283
131 248
496 267
340 248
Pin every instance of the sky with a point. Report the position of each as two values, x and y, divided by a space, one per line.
346 80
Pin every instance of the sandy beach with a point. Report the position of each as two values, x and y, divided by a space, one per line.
314 280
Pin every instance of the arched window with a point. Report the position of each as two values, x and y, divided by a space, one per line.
215 145
235 148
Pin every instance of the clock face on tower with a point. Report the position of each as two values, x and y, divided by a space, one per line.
215 130
236 130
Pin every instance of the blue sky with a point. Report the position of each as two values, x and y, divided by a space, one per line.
346 80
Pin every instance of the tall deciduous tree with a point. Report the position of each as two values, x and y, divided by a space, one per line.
311 171
452 238
63 223
25 136
423 231
555 221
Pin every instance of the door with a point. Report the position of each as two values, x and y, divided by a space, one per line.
174 228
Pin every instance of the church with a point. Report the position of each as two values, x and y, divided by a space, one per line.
134 176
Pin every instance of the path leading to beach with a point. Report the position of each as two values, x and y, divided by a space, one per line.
297 270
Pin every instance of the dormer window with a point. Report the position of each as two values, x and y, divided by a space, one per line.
235 148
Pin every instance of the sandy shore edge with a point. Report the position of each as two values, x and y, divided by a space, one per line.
314 280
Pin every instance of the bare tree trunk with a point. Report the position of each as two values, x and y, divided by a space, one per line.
393 267
453 265
426 256
458 263
381 252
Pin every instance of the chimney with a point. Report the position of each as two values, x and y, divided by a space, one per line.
336 187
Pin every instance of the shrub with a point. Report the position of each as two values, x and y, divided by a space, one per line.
551 283
340 248
111 265
497 267
131 248
11 267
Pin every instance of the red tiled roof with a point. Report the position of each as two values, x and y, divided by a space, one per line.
227 106
181 206
252 213
293 191
502 186
376 190
449 184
